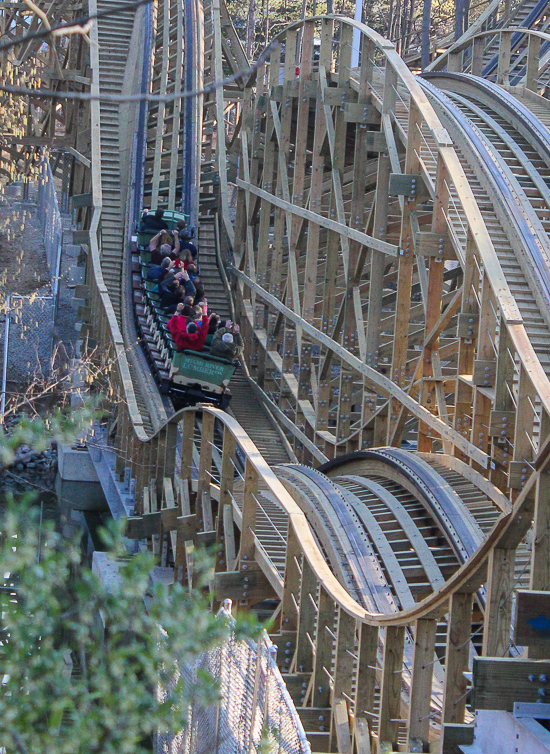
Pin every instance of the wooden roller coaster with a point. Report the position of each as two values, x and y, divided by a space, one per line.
383 241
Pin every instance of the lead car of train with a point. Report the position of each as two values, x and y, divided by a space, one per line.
188 377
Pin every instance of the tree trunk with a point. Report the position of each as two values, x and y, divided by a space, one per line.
459 18
425 47
410 25
404 25
390 20
465 19
250 29
367 10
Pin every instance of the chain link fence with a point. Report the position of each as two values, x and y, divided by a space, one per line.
255 713
27 329
50 221
25 338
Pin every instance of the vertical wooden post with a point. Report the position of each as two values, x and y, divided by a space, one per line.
343 681
306 622
432 392
420 694
454 62
540 558
366 673
161 459
324 646
390 690
224 522
291 593
299 197
170 449
457 654
406 266
204 506
533 62
504 53
477 56
249 513
345 649
188 433
498 604
120 440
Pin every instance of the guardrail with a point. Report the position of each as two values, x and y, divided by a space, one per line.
389 94
343 667
496 15
530 48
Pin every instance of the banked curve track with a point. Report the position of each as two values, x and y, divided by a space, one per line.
382 565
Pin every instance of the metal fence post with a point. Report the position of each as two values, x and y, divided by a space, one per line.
5 366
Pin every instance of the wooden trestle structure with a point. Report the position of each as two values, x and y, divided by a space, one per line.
389 258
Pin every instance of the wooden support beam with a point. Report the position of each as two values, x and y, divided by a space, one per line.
498 605
204 505
420 694
373 376
390 690
457 653
500 682
306 623
343 230
247 550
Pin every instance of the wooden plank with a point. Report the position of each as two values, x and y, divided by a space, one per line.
420 696
408 184
204 507
248 586
366 669
325 222
390 690
150 524
361 113
344 661
429 244
498 605
225 504
324 648
249 513
457 654
373 375
221 150
532 619
291 595
341 727
306 623
361 736
500 682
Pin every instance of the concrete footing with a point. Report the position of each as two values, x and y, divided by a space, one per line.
75 465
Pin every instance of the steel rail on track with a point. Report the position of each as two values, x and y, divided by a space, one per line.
480 235
476 30
303 550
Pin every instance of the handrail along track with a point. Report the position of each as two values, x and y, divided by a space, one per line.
409 296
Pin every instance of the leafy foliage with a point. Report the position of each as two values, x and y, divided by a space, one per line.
83 662
109 700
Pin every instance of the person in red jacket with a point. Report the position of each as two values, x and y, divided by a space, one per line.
190 336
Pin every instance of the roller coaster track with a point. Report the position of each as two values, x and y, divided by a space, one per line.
387 257
488 29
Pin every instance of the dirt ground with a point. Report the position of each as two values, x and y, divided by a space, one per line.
23 264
